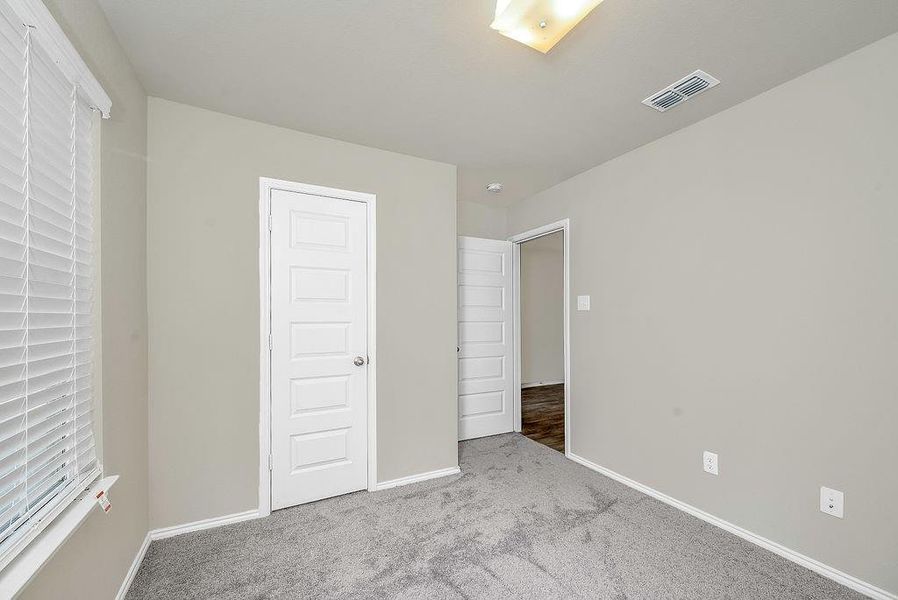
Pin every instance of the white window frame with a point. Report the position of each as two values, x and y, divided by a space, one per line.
55 526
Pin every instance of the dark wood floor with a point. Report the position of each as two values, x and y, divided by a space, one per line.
542 415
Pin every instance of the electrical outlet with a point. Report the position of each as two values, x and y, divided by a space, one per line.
832 502
709 462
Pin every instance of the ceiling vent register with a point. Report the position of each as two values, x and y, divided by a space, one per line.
690 86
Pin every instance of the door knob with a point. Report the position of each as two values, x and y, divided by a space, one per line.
358 361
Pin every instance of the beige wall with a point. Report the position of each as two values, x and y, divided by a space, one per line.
93 563
204 302
744 283
542 310
479 220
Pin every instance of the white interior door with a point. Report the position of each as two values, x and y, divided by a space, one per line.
485 338
318 347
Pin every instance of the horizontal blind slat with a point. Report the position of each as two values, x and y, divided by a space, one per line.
48 379
53 483
13 443
11 460
15 407
12 374
11 502
12 478
49 461
10 392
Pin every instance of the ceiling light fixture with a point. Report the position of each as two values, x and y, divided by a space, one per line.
494 188
540 24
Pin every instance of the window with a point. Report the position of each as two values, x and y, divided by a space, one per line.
47 448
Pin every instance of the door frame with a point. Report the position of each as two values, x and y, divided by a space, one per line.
563 225
266 186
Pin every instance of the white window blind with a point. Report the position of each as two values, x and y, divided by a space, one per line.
47 453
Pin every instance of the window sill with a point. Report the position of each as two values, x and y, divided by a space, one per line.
32 558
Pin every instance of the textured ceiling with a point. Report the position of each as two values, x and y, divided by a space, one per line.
431 79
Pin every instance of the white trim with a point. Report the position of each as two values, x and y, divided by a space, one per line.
541 383
52 39
372 341
848 581
248 515
52 534
264 348
266 185
167 532
135 566
564 225
385 485
516 307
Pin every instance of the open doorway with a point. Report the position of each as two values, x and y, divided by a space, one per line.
490 369
542 339
541 298
542 382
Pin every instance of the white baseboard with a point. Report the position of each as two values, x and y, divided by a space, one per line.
167 532
845 579
541 383
132 571
385 485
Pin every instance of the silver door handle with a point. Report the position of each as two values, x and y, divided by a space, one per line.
358 361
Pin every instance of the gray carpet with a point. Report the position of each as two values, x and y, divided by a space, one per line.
521 521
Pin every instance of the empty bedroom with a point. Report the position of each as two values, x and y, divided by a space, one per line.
462 300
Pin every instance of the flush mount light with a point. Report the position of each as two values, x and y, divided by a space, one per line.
540 24
494 188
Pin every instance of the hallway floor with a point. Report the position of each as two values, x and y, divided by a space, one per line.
542 415
520 521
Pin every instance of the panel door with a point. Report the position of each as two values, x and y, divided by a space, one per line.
319 393
485 338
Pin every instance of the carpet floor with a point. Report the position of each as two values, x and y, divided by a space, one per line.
521 521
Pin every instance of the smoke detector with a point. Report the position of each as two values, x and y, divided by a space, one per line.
495 188
681 91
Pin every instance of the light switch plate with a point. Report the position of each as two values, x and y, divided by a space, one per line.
832 502
582 302
709 462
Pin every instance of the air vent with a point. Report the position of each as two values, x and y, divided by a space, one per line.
681 91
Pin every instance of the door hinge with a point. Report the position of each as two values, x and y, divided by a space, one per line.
269 222
269 341
270 463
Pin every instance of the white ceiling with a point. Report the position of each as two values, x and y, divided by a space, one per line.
431 79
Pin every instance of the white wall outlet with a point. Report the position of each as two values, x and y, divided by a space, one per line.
832 502
582 302
709 462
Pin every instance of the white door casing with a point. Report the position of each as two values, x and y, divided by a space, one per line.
564 226
485 338
319 312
